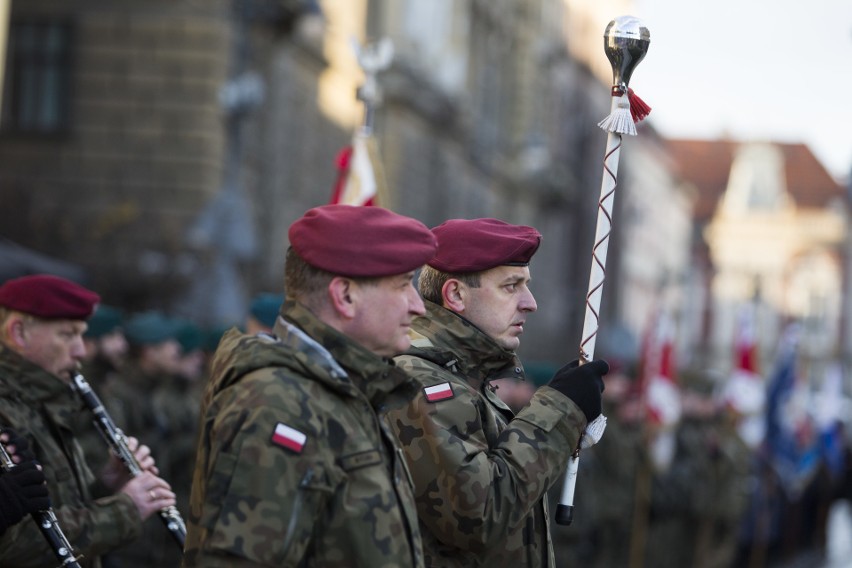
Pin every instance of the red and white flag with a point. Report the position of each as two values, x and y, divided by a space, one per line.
745 391
361 179
289 438
660 388
659 379
441 391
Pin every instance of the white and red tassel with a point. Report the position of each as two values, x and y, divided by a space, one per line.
627 111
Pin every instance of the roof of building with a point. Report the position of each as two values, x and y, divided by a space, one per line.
707 165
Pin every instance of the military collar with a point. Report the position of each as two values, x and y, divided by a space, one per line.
337 353
454 342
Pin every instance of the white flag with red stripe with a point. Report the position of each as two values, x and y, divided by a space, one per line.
438 392
662 393
661 390
289 438
361 179
745 391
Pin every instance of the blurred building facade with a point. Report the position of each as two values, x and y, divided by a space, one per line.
166 146
111 134
771 229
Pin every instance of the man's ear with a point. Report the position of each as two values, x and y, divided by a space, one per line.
453 295
342 293
15 330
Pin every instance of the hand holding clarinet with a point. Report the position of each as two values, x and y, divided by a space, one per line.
132 469
140 482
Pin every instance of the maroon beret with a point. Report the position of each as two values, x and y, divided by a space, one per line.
473 245
363 242
49 297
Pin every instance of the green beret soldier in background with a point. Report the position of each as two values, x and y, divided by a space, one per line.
295 466
106 346
263 310
134 404
42 321
153 359
481 472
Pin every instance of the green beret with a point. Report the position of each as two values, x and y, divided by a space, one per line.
150 328
264 308
189 336
106 319
211 337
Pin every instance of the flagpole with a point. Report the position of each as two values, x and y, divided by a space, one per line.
372 58
626 42
360 180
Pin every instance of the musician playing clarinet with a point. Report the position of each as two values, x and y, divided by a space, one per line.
42 321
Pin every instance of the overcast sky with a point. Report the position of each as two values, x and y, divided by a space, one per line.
752 69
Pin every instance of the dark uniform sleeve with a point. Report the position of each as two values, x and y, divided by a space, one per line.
11 509
470 491
105 525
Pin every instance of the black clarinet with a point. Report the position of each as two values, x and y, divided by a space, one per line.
47 524
118 444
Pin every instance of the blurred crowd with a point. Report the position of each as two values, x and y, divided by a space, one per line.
695 494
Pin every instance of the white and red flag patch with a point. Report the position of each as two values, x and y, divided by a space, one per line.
289 438
438 392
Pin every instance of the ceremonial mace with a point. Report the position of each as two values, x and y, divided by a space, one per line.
626 42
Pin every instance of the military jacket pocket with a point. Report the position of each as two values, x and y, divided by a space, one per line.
267 507
314 490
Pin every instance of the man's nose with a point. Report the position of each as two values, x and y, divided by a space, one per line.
528 303
416 305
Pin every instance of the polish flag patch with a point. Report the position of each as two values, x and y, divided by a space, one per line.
289 438
438 392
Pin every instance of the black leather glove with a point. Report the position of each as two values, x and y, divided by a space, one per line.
583 384
22 491
22 447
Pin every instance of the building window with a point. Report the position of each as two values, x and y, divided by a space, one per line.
37 81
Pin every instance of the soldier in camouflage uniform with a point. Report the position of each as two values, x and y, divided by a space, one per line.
480 472
42 319
294 466
133 401
708 481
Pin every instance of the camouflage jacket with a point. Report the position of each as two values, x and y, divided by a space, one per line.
44 409
294 467
480 473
